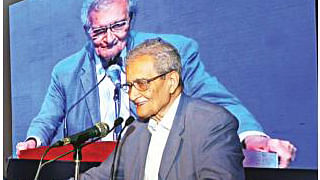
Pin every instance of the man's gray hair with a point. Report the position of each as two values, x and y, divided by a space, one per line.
89 5
166 56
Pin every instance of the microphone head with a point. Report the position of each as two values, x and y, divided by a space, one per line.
129 121
117 122
114 74
103 129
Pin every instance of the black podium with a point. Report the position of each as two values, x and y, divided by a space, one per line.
20 169
25 168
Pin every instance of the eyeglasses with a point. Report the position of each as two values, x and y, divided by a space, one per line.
115 28
141 84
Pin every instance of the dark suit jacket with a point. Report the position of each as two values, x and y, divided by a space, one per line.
202 144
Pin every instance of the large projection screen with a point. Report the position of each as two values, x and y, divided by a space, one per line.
264 52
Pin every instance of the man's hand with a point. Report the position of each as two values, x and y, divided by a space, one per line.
29 144
284 149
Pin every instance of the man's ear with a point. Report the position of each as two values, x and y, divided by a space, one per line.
173 80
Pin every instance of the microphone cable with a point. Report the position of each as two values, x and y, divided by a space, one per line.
65 129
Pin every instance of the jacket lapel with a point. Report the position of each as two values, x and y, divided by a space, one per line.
88 80
143 151
174 141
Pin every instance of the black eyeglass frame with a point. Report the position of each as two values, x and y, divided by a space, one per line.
96 32
146 82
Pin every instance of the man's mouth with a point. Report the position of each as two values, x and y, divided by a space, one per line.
110 46
140 103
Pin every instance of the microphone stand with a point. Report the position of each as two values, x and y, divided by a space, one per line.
78 154
77 157
117 101
58 157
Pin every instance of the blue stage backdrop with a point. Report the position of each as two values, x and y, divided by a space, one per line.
262 51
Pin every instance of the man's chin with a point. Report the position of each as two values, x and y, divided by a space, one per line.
143 117
108 56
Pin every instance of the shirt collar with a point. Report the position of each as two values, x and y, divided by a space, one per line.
167 120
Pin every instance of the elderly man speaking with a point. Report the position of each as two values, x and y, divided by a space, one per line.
177 137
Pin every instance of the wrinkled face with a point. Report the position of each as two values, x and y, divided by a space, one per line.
110 42
154 100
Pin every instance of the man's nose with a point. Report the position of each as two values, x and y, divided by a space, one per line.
108 37
133 93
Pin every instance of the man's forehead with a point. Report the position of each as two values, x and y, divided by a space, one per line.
141 60
140 66
109 4
110 9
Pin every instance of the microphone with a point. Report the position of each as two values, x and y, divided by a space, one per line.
116 123
127 123
99 130
114 74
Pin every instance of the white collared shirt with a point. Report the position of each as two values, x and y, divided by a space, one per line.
159 136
